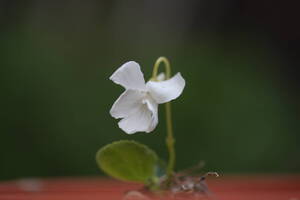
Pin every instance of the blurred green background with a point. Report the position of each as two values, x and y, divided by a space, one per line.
239 111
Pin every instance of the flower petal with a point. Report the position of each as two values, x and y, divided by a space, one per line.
164 91
128 102
137 122
153 107
161 77
143 120
130 76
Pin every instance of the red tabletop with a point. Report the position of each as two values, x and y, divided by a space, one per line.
224 188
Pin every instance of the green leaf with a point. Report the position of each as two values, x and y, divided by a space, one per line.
128 161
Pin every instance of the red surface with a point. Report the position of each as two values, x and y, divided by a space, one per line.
224 188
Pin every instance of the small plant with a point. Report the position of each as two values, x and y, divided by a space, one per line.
137 107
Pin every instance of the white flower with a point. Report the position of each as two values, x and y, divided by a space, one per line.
139 103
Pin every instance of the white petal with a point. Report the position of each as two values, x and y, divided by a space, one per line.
128 102
153 107
130 76
136 122
161 77
143 120
164 91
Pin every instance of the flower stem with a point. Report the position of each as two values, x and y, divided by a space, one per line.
170 141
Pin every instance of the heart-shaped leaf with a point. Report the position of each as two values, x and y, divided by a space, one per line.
128 161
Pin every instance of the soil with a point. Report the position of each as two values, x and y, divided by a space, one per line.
263 187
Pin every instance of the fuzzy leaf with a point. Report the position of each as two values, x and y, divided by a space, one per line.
128 161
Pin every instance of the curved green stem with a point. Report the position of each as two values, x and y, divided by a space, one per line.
170 141
156 66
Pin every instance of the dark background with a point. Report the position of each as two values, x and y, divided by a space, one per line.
239 111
